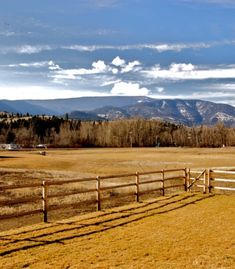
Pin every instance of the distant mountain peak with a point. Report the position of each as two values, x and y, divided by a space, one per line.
189 112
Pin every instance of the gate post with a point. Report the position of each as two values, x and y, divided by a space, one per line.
205 181
189 179
186 179
209 180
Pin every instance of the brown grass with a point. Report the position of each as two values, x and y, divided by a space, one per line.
110 161
180 231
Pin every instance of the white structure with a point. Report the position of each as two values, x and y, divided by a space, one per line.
12 147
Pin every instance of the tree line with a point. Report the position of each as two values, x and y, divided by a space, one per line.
60 132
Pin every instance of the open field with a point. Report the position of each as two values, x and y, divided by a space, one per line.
176 231
179 231
29 167
116 161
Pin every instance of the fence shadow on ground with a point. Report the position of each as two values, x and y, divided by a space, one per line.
98 223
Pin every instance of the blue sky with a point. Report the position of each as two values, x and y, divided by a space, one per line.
160 48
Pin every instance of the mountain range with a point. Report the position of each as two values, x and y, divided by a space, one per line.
188 112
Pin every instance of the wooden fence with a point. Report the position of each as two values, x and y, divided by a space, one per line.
97 190
211 180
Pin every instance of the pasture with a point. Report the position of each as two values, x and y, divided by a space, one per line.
116 161
176 231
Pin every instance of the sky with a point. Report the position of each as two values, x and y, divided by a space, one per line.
159 48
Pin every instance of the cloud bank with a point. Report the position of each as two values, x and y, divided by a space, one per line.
120 76
156 47
182 71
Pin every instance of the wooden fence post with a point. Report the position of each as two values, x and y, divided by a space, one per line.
163 183
98 197
209 180
189 179
186 179
44 200
137 181
204 182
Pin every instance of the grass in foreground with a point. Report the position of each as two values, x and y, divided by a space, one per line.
178 231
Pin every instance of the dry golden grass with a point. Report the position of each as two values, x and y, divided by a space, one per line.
109 161
179 231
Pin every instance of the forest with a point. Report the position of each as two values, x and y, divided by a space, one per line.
29 131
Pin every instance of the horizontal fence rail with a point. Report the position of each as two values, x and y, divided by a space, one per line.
222 180
210 180
52 195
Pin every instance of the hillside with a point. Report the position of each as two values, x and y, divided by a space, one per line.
24 107
188 112
61 106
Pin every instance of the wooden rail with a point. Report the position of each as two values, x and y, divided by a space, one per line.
211 180
134 184
20 186
222 180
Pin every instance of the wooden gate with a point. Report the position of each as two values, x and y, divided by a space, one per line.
198 180
210 180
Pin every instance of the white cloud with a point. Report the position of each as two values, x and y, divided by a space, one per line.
118 61
181 67
129 89
98 67
7 33
160 89
131 66
34 64
53 66
223 86
66 74
176 47
114 70
117 67
25 49
50 64
88 48
157 47
184 71
111 82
